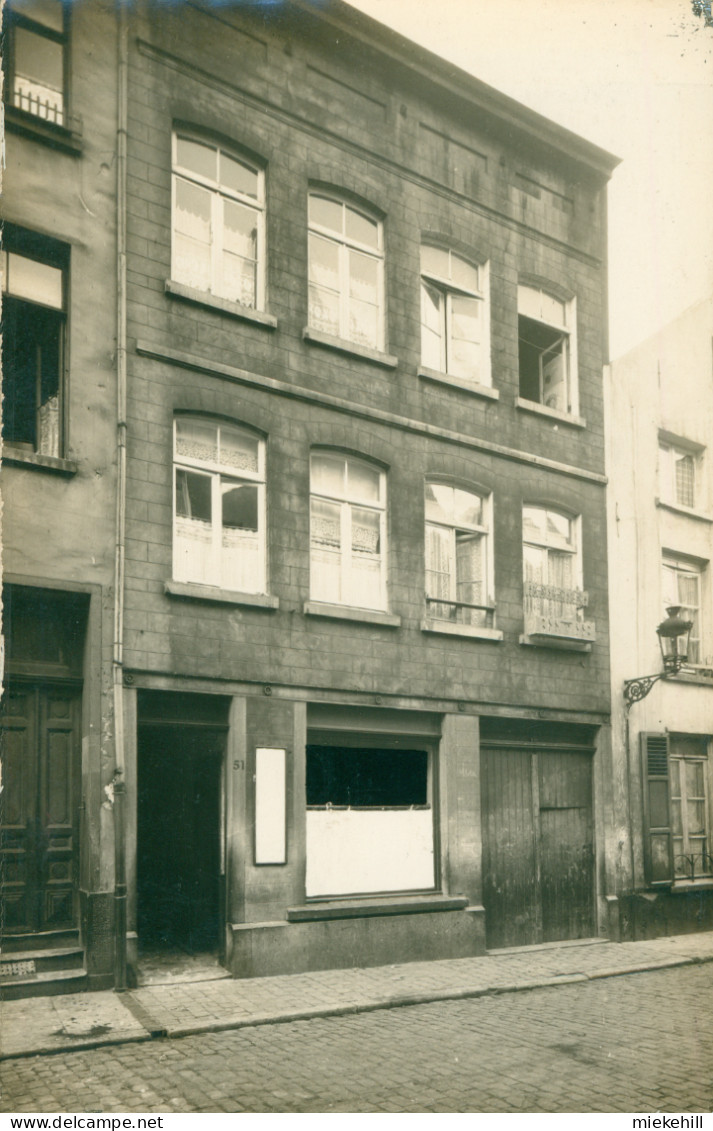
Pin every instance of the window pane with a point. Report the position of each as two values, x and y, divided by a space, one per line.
440 567
325 529
470 568
695 785
239 279
240 229
27 278
535 564
560 571
361 229
464 274
432 327
196 439
199 158
240 505
238 449
363 277
193 210
193 495
464 339
31 375
696 817
533 524
363 324
365 580
685 494
326 213
552 310
528 302
467 508
435 261
49 13
554 377
328 474
39 79
559 529
363 482
439 502
324 262
326 556
366 526
238 177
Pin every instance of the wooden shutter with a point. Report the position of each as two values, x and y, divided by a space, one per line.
658 839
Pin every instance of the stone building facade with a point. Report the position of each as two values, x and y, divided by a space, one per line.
361 658
660 409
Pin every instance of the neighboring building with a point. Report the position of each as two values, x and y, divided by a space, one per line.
366 690
660 408
59 488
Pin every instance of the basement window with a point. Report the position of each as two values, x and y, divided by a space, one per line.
369 820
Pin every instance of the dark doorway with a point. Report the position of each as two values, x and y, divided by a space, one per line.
179 826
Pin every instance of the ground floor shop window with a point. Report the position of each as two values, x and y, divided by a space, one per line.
369 820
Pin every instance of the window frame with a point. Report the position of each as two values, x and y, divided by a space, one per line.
567 330
19 20
219 473
49 252
575 522
345 547
485 529
344 245
219 193
682 797
447 289
693 568
670 454
659 825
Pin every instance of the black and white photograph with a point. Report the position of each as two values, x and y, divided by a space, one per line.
356 663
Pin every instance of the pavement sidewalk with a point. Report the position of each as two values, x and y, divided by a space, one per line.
178 1008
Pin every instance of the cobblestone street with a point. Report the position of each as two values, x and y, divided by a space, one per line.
637 1043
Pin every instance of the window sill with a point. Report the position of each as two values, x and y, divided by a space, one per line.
363 908
702 676
445 628
218 596
689 512
471 387
18 458
350 348
681 887
224 305
561 643
49 133
347 612
551 413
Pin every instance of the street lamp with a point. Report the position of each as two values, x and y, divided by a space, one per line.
673 634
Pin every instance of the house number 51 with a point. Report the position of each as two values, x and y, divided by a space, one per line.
239 764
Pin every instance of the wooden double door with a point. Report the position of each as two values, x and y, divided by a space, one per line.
538 845
39 807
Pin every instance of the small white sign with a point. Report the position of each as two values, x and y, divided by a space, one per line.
270 806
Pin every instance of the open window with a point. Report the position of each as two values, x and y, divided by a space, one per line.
34 270
455 335
369 819
459 565
36 65
546 342
218 221
346 272
682 585
219 505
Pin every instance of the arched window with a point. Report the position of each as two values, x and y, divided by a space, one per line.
548 364
458 556
219 505
218 222
346 272
347 531
455 335
554 601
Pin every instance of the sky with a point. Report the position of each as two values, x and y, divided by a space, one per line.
636 78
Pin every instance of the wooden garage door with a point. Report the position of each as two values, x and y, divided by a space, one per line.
538 850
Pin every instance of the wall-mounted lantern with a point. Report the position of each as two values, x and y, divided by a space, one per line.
673 634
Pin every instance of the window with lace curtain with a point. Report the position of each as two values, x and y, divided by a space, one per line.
681 586
347 531
346 272
554 600
219 505
218 221
458 553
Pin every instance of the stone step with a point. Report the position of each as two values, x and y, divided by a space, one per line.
40 940
46 984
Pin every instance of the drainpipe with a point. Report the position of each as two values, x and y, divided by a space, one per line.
120 918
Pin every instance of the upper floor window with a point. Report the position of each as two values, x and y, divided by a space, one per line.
346 272
34 316
454 316
554 601
347 531
681 585
218 222
547 350
219 505
36 63
677 475
458 556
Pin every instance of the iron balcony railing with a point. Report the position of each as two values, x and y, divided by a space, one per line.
554 611
460 612
47 109
693 866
